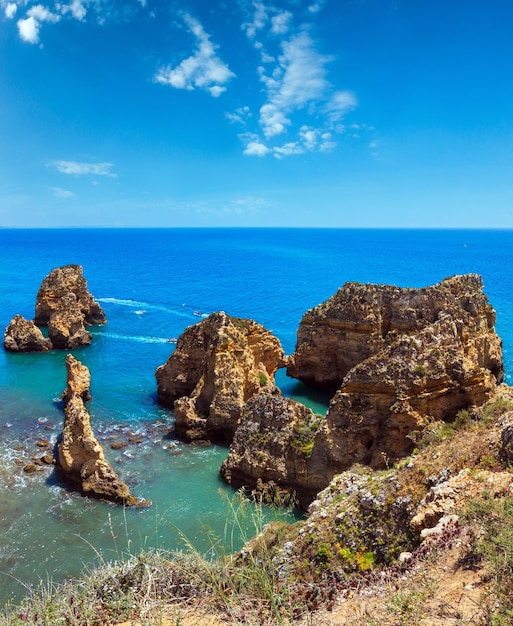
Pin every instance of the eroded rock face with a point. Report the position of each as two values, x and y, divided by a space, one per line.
80 457
23 335
452 495
415 355
449 364
66 325
271 448
218 364
361 320
61 282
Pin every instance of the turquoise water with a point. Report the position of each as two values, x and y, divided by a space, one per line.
150 283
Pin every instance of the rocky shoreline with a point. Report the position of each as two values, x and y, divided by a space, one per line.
418 427
394 359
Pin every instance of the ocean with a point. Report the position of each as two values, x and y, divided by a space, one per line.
152 284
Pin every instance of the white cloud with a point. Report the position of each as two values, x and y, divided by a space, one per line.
80 168
59 192
76 8
203 70
10 10
260 18
340 103
256 148
29 29
292 147
42 14
315 7
299 79
297 93
273 120
240 115
280 23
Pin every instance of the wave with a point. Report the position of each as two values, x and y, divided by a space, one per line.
138 338
142 307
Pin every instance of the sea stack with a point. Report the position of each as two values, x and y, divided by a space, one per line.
23 335
217 365
65 306
80 457
58 284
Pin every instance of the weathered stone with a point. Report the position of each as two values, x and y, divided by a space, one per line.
23 335
452 495
218 364
405 366
61 282
66 325
79 380
389 396
271 447
506 438
361 320
80 457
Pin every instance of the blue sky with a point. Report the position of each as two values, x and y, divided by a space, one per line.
330 113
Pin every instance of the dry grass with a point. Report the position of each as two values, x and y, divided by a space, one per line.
464 579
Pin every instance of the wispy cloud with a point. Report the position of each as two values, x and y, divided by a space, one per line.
59 192
76 8
202 70
301 111
77 168
102 11
256 148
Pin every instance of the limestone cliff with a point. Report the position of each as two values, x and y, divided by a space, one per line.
446 365
271 448
414 356
217 365
80 457
65 305
23 335
361 320
61 282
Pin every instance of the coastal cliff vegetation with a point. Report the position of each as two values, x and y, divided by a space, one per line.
356 559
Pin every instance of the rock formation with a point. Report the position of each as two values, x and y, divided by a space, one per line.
64 304
24 336
80 457
450 496
66 325
217 365
271 448
60 282
361 320
445 365
400 358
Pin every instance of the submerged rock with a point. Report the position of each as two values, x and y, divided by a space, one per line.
218 364
61 282
80 457
23 335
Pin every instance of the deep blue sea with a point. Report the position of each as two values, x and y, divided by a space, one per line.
151 284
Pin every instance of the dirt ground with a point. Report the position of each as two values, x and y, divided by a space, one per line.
439 592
